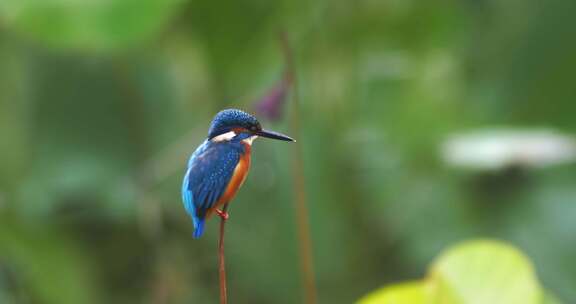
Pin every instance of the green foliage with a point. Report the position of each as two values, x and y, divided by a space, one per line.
474 272
102 101
48 268
88 24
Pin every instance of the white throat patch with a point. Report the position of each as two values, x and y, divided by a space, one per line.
250 139
224 137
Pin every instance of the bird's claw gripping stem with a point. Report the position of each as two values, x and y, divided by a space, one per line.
223 214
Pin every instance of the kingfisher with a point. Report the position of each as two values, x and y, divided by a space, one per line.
219 166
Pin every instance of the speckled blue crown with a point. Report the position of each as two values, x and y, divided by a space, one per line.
228 119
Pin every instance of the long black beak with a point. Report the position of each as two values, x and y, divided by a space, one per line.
274 135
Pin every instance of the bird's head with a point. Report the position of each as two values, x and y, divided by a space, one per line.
235 124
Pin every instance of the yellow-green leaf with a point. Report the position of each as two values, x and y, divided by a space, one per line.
481 272
406 293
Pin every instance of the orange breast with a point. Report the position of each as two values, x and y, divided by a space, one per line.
238 178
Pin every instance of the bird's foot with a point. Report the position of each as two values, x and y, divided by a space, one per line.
223 214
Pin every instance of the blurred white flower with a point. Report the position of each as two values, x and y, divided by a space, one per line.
494 149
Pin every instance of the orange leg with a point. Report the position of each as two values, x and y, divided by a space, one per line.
223 214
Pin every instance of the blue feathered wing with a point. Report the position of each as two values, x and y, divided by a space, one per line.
210 169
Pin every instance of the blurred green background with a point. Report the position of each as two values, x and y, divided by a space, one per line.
102 101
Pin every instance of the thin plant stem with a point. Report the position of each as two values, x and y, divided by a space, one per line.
302 214
221 262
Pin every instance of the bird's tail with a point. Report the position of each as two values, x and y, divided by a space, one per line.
198 227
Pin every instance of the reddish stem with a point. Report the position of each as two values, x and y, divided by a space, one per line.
302 214
221 262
